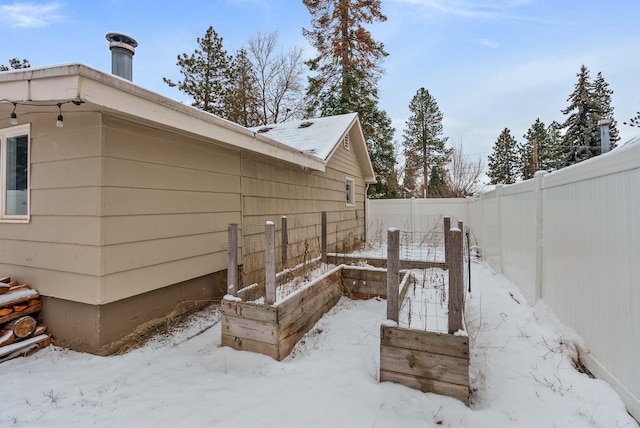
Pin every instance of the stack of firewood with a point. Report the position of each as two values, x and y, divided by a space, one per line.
20 332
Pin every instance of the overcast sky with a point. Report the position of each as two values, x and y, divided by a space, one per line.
490 64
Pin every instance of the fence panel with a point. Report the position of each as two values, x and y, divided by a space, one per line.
572 238
518 219
416 216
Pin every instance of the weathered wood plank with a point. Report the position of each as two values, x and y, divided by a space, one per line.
42 341
290 337
251 292
249 310
310 299
440 367
244 344
297 298
461 392
425 341
382 263
405 282
364 282
249 329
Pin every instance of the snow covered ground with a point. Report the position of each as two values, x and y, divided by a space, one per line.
521 370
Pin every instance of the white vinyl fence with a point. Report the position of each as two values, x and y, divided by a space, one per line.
570 238
417 216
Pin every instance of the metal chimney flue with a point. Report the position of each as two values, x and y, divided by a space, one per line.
122 48
605 141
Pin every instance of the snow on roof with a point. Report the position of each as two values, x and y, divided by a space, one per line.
316 137
632 141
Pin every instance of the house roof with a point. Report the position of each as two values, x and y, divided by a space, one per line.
316 137
321 137
108 93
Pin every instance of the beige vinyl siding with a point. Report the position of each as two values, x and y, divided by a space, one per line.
167 201
274 189
58 249
56 283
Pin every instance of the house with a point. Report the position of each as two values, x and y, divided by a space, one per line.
119 217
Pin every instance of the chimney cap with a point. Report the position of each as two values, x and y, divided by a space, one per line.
122 41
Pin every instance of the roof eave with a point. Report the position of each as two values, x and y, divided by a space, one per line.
75 81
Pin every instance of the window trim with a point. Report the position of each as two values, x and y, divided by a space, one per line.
350 191
5 133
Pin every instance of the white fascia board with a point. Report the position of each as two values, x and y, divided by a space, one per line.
119 95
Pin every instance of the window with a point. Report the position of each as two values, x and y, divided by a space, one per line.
348 185
14 173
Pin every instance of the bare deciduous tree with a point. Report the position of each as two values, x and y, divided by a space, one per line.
279 78
463 175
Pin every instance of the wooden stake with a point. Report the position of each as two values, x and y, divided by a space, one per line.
324 237
232 269
270 263
285 242
456 279
393 275
447 227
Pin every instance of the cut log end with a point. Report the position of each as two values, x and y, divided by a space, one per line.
22 327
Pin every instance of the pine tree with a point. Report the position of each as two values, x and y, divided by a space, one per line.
382 152
503 162
437 186
582 136
527 164
539 151
602 95
346 73
423 144
15 64
206 74
551 156
241 94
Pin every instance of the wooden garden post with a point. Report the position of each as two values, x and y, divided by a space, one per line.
270 263
393 274
324 237
232 268
456 279
285 242
447 226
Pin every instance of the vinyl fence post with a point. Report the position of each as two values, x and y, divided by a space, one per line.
232 268
539 232
270 263
393 274
499 190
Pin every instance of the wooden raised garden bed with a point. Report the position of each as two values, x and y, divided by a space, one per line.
427 360
424 360
274 330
